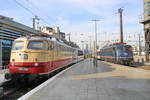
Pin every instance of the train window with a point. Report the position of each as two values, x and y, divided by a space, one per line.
37 45
60 47
63 49
80 53
120 48
50 46
18 45
129 48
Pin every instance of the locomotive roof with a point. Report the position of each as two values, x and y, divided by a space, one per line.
32 38
42 38
114 45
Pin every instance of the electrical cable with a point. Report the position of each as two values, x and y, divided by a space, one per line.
34 6
27 9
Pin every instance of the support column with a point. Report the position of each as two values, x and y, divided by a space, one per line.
147 45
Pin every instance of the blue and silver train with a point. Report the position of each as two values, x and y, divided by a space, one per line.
117 53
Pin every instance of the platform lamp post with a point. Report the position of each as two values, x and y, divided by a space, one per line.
95 59
69 37
90 48
140 50
35 23
120 11
82 42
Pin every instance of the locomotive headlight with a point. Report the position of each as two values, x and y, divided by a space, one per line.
13 64
125 54
36 64
24 56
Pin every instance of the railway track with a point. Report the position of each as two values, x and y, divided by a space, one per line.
7 88
11 91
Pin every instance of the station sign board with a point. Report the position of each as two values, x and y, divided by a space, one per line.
5 43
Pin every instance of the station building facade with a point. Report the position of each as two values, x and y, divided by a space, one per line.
145 20
54 31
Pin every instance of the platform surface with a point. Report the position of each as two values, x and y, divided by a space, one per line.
84 81
2 75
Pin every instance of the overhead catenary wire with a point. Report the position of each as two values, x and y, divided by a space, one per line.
38 9
24 7
30 11
32 4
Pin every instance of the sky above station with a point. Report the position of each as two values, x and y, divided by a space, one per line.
74 16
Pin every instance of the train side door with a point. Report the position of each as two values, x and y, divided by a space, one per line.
51 54
114 54
55 54
75 55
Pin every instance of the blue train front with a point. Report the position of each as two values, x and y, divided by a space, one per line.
117 53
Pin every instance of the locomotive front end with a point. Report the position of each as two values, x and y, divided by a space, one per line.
125 54
27 58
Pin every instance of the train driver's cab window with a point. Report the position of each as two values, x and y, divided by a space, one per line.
18 45
37 45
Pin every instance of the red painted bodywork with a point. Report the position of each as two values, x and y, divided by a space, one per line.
119 43
43 67
105 57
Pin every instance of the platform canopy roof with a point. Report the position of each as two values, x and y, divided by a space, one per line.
12 23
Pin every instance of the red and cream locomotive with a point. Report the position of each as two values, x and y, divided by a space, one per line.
38 56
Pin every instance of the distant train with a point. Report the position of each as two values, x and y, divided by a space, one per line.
80 54
39 56
118 53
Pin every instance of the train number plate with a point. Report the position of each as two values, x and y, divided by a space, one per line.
23 69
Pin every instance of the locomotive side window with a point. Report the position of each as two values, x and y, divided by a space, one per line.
128 49
18 45
50 46
37 45
80 53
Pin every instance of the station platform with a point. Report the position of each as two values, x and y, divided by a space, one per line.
84 81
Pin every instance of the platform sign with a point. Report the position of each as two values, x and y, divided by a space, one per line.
5 49
6 43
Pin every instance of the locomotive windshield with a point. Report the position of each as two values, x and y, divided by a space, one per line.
37 45
18 45
80 53
124 50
